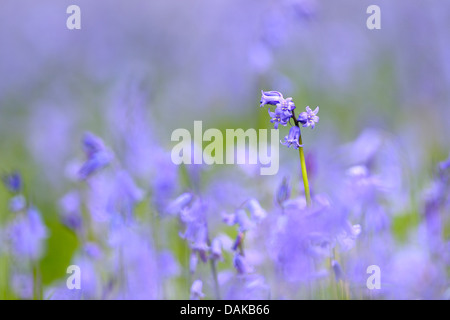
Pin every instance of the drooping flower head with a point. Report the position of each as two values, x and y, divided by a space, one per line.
270 97
196 290
283 110
13 182
309 118
98 156
292 138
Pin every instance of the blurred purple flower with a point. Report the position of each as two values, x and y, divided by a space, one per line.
196 290
241 264
256 211
13 182
70 211
17 203
27 234
97 155
216 249
283 192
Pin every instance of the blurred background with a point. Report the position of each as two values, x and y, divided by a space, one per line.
138 70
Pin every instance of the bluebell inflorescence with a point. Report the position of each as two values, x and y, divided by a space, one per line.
93 205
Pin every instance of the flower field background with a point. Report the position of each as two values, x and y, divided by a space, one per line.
86 118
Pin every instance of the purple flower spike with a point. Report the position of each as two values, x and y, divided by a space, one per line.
309 118
292 138
270 97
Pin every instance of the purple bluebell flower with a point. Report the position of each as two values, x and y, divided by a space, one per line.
271 98
241 218
292 138
70 211
196 290
17 203
13 182
200 243
309 118
193 262
22 284
92 144
444 165
98 156
216 249
27 234
338 273
347 237
241 264
283 192
93 250
181 202
286 107
277 118
256 211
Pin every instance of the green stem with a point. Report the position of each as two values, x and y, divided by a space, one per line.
303 163
304 172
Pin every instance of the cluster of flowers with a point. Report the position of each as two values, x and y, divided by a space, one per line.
284 112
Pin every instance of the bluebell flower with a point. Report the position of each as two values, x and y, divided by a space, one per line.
196 290
216 249
338 273
292 138
241 218
98 156
278 117
13 182
92 144
270 97
193 262
241 265
309 118
93 250
181 202
17 203
256 211
283 191
200 243
70 211
286 107
27 234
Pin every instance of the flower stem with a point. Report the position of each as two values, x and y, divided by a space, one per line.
303 163
304 172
